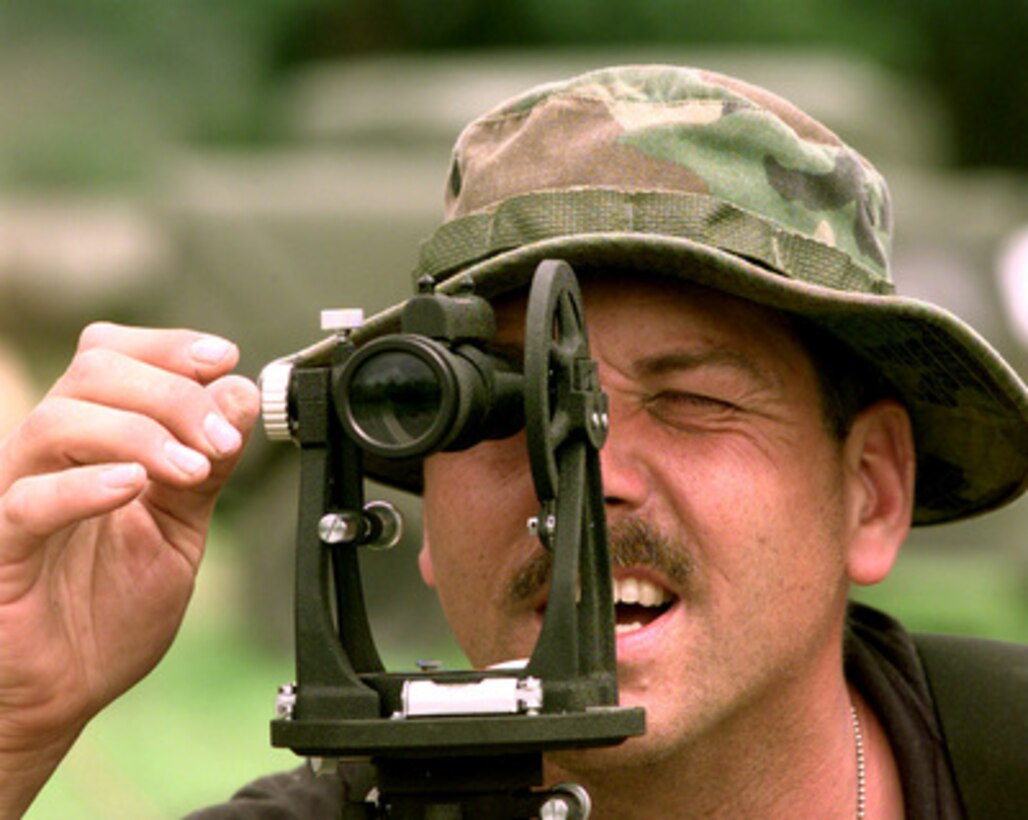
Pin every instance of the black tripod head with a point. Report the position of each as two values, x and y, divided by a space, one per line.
467 744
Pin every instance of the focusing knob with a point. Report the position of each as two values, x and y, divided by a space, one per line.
274 383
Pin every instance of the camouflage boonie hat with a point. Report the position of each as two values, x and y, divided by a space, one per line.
691 174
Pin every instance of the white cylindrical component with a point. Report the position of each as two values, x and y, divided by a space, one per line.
491 696
341 319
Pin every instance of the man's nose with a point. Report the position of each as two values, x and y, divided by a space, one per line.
622 463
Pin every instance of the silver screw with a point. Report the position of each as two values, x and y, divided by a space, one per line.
556 808
285 701
338 528
569 801
545 529
323 766
390 523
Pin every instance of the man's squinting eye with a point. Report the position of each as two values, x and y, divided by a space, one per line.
678 404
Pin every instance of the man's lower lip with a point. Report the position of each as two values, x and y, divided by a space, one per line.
633 640
645 633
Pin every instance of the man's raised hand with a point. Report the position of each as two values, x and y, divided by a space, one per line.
106 494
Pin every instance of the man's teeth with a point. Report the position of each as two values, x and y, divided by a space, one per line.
639 592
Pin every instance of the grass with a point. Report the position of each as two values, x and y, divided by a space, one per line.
197 728
959 593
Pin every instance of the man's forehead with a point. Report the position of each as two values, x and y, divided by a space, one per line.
633 292
649 327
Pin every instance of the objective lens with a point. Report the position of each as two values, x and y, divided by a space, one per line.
395 398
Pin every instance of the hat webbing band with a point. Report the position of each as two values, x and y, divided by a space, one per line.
523 220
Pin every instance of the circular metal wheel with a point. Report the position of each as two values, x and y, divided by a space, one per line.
555 337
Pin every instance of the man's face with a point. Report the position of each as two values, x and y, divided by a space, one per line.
724 498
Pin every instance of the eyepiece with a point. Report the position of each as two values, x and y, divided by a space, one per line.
397 396
407 396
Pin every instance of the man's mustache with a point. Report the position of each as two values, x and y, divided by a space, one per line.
633 542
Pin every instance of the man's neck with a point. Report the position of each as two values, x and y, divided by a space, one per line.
797 760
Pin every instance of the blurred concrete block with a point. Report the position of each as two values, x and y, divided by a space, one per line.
264 242
71 257
414 99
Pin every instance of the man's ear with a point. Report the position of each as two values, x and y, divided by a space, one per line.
879 458
425 563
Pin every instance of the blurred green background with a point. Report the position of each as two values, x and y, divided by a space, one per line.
239 165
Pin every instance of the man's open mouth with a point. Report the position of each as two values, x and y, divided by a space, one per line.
638 602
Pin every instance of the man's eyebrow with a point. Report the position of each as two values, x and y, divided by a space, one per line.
659 364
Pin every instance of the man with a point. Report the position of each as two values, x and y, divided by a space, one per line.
778 420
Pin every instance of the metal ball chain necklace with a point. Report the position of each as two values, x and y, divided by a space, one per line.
858 739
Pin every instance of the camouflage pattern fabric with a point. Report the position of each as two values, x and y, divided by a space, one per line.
749 159
687 173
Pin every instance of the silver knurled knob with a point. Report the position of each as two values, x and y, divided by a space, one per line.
274 383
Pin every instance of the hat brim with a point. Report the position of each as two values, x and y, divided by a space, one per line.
968 408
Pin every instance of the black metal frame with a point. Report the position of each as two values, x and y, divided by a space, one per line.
346 703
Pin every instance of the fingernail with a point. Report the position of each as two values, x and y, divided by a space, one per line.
187 460
223 436
211 349
121 475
